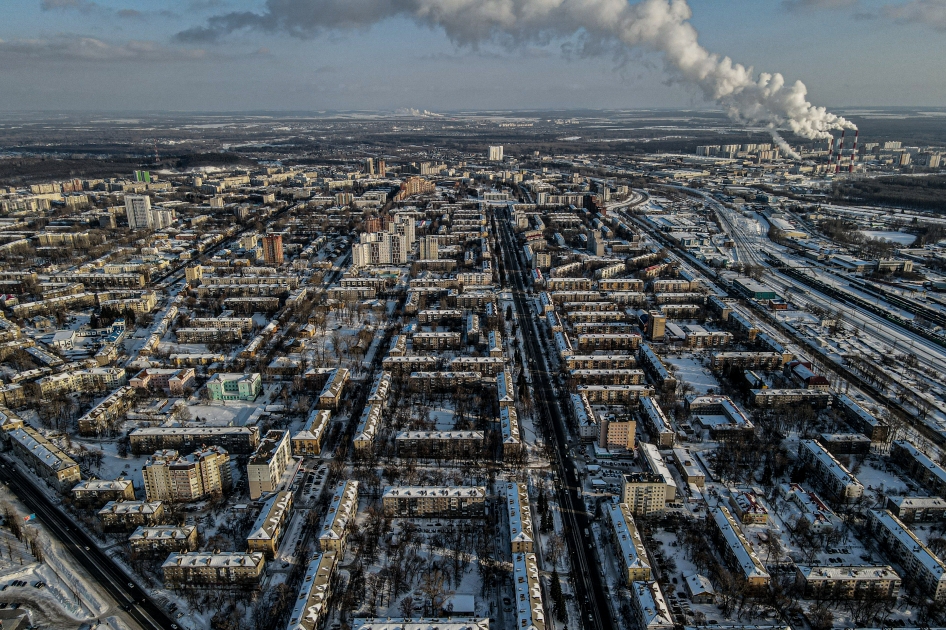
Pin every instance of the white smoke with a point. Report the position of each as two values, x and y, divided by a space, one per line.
786 149
661 25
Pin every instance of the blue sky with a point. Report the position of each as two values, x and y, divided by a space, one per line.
128 55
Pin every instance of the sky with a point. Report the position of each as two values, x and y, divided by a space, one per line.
382 55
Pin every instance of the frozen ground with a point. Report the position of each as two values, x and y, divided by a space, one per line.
690 369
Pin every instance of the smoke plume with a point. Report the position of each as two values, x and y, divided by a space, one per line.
660 25
786 149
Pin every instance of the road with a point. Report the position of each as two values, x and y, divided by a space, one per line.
586 573
110 577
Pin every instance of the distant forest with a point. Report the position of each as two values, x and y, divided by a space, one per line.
920 193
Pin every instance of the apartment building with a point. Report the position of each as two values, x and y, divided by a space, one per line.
837 480
521 535
817 398
223 386
847 582
367 428
919 466
627 542
308 440
338 519
268 464
917 509
208 335
163 539
434 501
331 395
530 613
510 432
745 505
738 552
650 607
440 444
44 458
644 493
125 516
171 478
766 361
314 602
821 519
861 419
614 394
656 423
98 419
436 341
267 531
690 471
223 569
236 440
95 493
910 552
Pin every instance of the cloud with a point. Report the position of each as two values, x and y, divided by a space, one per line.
929 12
65 47
84 6
804 5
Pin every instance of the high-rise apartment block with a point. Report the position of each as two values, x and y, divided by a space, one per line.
496 153
429 250
170 477
272 249
141 216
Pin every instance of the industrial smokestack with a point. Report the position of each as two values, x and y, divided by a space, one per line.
837 165
850 168
831 150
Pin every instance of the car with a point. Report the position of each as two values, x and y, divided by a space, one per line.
179 615
87 549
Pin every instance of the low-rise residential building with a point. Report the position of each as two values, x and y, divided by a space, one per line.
817 398
170 381
917 509
94 493
861 419
627 542
236 440
649 606
845 443
99 418
521 535
45 458
223 569
163 539
837 480
747 508
367 429
510 432
910 552
847 582
125 516
737 551
268 529
653 461
719 415
690 471
331 395
919 467
434 501
821 519
530 613
268 464
338 519
440 444
308 440
315 593
224 386
656 423
171 478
